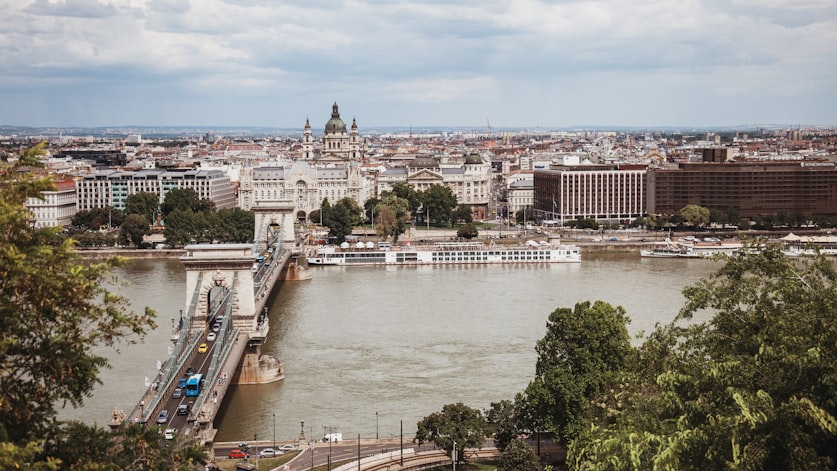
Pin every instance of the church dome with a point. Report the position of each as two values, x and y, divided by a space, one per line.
335 124
473 159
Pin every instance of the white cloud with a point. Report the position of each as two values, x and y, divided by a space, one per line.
415 53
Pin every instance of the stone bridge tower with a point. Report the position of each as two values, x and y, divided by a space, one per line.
274 221
211 271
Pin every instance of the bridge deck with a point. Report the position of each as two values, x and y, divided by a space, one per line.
218 364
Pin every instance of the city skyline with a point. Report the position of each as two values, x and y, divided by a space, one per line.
528 64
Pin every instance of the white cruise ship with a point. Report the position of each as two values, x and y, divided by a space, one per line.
447 253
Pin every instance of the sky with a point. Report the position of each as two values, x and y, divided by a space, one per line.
521 63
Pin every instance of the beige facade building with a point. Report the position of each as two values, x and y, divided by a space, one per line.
468 179
305 185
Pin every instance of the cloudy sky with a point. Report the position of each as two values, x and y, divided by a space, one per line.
516 63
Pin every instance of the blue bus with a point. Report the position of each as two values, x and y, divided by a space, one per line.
193 385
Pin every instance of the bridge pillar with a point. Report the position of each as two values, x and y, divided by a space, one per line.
222 265
271 214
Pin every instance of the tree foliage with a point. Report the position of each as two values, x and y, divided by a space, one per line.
463 213
518 456
694 215
55 315
583 350
233 225
503 422
751 388
456 423
143 203
392 214
467 231
95 219
439 202
133 229
131 447
341 217
184 199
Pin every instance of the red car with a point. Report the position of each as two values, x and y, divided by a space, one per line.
238 454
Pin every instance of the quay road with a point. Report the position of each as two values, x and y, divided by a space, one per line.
339 452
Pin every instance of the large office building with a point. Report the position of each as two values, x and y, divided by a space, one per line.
571 190
111 188
750 188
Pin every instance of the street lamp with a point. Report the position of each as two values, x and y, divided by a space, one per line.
376 425
274 432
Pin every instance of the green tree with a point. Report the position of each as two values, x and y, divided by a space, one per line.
440 202
353 210
467 231
325 213
694 215
519 456
396 224
143 203
341 218
751 388
133 229
183 227
55 316
96 218
503 421
406 192
385 222
583 350
463 213
235 226
183 199
369 209
456 423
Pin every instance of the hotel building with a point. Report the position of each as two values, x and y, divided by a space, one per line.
606 193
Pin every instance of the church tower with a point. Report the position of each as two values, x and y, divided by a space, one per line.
335 138
307 142
354 142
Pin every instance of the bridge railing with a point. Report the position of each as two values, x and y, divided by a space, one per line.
185 344
226 338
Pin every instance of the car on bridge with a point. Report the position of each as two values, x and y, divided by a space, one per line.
163 417
170 433
202 348
210 337
190 371
183 409
178 393
182 383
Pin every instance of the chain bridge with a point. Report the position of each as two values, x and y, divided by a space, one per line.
217 341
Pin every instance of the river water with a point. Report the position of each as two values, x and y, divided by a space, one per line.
367 348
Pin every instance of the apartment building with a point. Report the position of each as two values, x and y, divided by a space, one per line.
111 188
57 207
